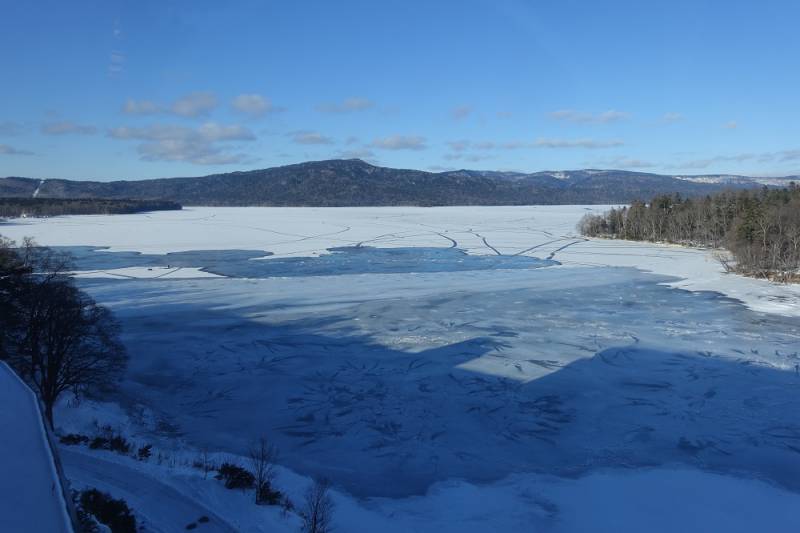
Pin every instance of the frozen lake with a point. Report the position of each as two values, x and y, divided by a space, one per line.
389 349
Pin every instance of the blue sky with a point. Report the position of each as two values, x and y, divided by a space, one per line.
109 89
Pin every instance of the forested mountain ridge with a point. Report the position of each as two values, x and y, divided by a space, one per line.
354 182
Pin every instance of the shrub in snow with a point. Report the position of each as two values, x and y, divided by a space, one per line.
144 452
204 463
262 459
110 512
235 477
116 443
73 439
317 511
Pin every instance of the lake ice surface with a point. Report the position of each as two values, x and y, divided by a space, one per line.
391 370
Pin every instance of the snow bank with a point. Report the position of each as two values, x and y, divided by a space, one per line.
30 488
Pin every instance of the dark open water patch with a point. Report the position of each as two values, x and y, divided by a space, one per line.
343 260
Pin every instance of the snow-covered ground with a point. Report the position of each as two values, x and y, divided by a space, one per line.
30 489
450 369
537 231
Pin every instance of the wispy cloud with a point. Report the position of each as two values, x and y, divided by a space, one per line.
10 128
10 150
309 137
401 142
590 144
116 63
357 153
204 145
253 105
141 107
195 104
464 145
788 155
780 156
460 112
624 163
605 117
67 127
192 105
472 158
475 151
348 105
731 125
672 117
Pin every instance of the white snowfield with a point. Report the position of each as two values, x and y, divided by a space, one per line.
30 491
537 231
441 391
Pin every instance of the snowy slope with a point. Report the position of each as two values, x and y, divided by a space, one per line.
167 498
589 395
31 499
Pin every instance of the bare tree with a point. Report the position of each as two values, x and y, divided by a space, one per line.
760 229
59 339
262 460
317 512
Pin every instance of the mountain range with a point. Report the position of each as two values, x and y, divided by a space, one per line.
352 182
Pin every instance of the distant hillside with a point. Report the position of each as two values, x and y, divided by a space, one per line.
356 183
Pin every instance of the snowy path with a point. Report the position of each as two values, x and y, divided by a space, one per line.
158 506
30 492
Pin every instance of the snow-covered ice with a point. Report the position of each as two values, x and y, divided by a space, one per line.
537 231
397 350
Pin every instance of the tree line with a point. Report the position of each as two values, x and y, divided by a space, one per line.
56 337
759 228
50 207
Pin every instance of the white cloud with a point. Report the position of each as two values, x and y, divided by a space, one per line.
463 145
732 125
472 158
672 117
780 156
10 128
210 132
309 137
401 142
116 62
359 153
576 143
204 145
254 105
459 146
141 107
194 104
348 105
461 112
605 117
10 150
624 163
789 155
66 127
